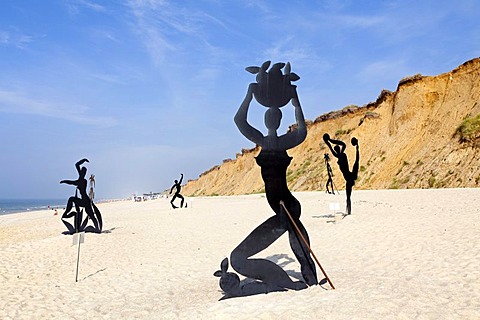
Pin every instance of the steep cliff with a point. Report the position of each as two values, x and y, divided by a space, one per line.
426 134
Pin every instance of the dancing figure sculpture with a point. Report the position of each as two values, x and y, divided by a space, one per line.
177 186
273 90
326 157
81 202
338 152
91 193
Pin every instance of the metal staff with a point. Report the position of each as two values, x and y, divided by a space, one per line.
333 182
306 243
78 258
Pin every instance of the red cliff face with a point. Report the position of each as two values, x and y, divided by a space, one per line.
426 134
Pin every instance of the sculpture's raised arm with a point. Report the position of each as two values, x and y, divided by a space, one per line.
294 138
328 141
240 118
79 163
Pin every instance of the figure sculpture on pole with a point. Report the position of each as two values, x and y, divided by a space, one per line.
81 202
330 174
338 152
273 90
177 186
91 193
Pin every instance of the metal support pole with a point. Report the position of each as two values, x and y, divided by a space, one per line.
306 243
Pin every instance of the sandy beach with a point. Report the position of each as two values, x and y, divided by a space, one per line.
402 254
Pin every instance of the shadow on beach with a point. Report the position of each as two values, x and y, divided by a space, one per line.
90 230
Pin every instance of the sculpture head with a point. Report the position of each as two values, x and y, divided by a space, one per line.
337 149
354 141
83 172
274 87
273 117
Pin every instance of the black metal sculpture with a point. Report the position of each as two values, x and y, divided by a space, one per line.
84 202
273 90
338 152
91 193
177 186
329 183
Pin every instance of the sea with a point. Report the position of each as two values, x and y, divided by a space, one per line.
8 206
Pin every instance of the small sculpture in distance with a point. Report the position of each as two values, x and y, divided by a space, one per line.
82 202
177 186
329 185
338 152
91 193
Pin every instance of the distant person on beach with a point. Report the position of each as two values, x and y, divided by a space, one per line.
274 90
330 174
339 152
81 202
177 187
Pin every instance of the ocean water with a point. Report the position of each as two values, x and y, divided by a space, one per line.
22 205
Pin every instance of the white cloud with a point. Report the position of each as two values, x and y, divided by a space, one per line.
147 28
74 6
344 21
301 55
16 102
4 37
168 30
15 38
92 5
108 78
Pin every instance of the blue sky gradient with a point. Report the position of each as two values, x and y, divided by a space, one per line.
148 89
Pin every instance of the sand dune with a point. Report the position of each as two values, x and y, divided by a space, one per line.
402 254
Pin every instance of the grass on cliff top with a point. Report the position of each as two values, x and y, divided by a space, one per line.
469 129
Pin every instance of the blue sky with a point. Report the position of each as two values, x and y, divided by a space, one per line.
148 89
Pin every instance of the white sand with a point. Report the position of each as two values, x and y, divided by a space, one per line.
403 254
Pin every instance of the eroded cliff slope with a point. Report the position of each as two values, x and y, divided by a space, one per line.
426 134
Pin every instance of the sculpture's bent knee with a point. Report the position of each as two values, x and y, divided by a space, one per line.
238 260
